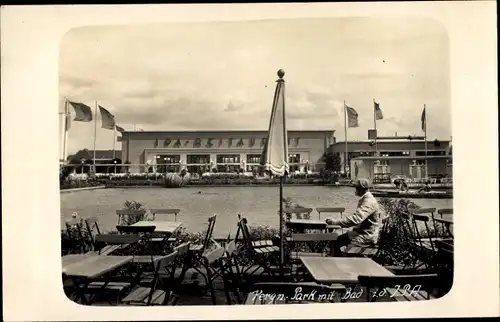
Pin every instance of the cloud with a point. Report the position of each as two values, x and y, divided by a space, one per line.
222 75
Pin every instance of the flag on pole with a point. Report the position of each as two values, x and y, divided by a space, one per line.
67 122
120 129
423 120
108 119
352 117
83 113
275 153
378 111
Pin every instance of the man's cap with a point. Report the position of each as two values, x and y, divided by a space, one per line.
362 183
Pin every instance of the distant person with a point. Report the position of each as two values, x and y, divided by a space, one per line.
426 187
404 186
366 220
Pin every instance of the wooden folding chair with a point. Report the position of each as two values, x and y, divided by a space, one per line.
216 266
429 212
199 249
445 228
370 251
399 287
287 293
159 293
261 252
75 235
233 279
172 211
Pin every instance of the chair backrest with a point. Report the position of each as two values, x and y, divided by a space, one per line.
214 255
423 211
445 211
336 210
74 228
242 226
165 263
136 229
182 249
231 248
288 292
210 230
171 211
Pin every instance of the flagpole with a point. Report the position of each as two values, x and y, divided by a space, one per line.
114 140
345 131
425 138
65 139
375 125
95 132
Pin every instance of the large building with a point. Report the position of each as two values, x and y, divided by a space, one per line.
226 151
396 157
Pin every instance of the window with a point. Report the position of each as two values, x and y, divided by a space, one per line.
228 158
253 158
429 153
228 162
406 153
201 163
294 158
168 163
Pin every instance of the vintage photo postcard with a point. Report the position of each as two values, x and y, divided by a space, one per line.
263 162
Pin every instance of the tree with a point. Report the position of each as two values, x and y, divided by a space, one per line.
332 161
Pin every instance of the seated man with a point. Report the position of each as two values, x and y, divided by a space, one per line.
366 220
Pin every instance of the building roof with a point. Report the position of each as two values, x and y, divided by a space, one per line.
106 154
226 131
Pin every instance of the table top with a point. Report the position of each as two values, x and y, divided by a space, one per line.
328 270
161 226
93 266
74 258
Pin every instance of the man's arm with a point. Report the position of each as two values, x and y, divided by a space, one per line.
364 210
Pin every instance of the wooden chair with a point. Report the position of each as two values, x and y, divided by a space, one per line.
199 249
215 267
124 213
334 210
260 252
159 292
429 212
174 212
92 225
445 227
233 276
400 287
287 293
369 251
75 235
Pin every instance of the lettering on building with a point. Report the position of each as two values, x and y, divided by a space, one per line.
240 143
220 142
209 143
166 142
297 141
263 141
177 143
230 142
156 143
197 143
251 143
186 143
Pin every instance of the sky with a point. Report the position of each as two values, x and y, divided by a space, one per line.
221 76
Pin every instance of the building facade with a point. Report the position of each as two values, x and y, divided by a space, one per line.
225 151
396 157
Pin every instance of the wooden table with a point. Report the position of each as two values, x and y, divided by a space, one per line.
74 258
314 224
165 227
343 270
82 269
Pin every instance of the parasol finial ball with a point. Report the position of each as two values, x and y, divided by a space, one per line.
281 73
